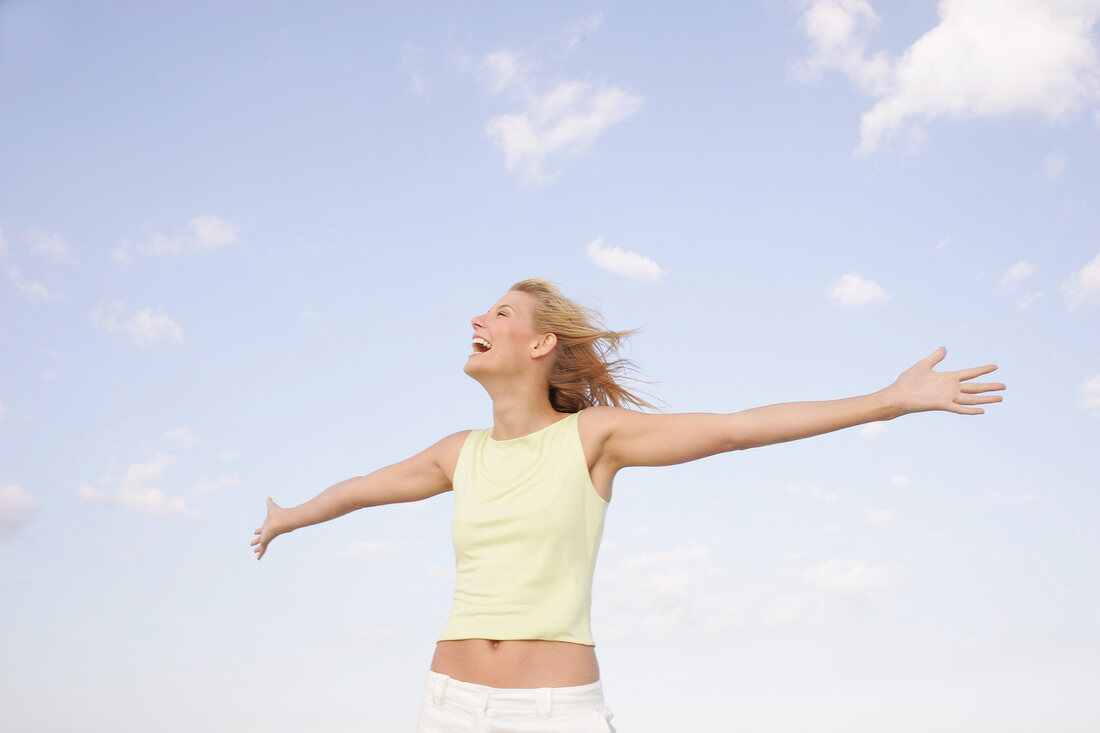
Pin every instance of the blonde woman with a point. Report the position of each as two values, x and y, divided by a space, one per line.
531 492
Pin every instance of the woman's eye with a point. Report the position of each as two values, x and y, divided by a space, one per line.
500 313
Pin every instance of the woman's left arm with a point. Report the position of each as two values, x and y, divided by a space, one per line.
640 439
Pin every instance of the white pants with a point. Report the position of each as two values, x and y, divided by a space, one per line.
452 706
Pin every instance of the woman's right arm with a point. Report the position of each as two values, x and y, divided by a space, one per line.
426 474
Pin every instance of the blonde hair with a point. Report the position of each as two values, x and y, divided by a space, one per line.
587 368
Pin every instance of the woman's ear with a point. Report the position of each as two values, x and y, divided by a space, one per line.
544 346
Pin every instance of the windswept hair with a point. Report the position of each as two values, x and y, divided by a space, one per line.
588 367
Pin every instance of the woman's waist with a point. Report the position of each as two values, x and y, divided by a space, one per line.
517 663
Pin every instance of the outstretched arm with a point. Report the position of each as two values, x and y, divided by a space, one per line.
425 474
639 439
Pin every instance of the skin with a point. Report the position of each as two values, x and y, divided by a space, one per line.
515 373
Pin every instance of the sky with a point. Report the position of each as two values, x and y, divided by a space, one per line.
240 246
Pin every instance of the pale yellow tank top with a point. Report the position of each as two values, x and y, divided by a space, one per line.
526 530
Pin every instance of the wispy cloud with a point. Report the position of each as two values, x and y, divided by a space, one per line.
576 33
32 289
412 64
854 579
1090 394
852 291
208 232
144 327
1082 289
692 590
1015 274
138 490
51 246
1053 166
1030 299
825 497
879 517
623 262
17 510
556 120
184 437
212 485
564 121
838 31
1021 56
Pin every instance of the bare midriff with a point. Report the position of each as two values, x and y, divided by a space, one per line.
522 663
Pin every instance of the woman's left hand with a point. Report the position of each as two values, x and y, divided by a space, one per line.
919 388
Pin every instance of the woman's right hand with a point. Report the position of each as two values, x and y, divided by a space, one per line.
270 530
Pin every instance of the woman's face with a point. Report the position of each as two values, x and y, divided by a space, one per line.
504 338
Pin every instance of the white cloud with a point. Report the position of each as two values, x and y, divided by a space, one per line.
1053 166
872 429
825 497
564 121
90 493
412 63
983 59
944 542
1014 274
576 33
184 437
138 475
1083 288
31 289
853 579
3 244
1030 299
879 517
556 118
17 510
943 243
501 69
143 327
623 262
837 30
359 548
899 480
151 500
692 591
138 490
852 290
207 232
209 486
51 246
210 231
1090 394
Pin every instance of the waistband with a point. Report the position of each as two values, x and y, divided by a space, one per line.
541 700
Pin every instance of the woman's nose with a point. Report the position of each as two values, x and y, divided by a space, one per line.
476 321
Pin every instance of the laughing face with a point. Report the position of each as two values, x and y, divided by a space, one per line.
504 339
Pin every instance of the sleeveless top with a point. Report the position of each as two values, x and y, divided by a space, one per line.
526 529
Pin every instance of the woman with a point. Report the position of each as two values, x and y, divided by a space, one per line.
530 495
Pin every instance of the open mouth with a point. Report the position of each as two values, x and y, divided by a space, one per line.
481 345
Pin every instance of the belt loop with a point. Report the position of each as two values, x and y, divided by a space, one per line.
542 702
439 689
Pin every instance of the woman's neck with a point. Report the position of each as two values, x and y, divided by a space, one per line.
519 414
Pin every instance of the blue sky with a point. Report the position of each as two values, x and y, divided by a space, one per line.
240 244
